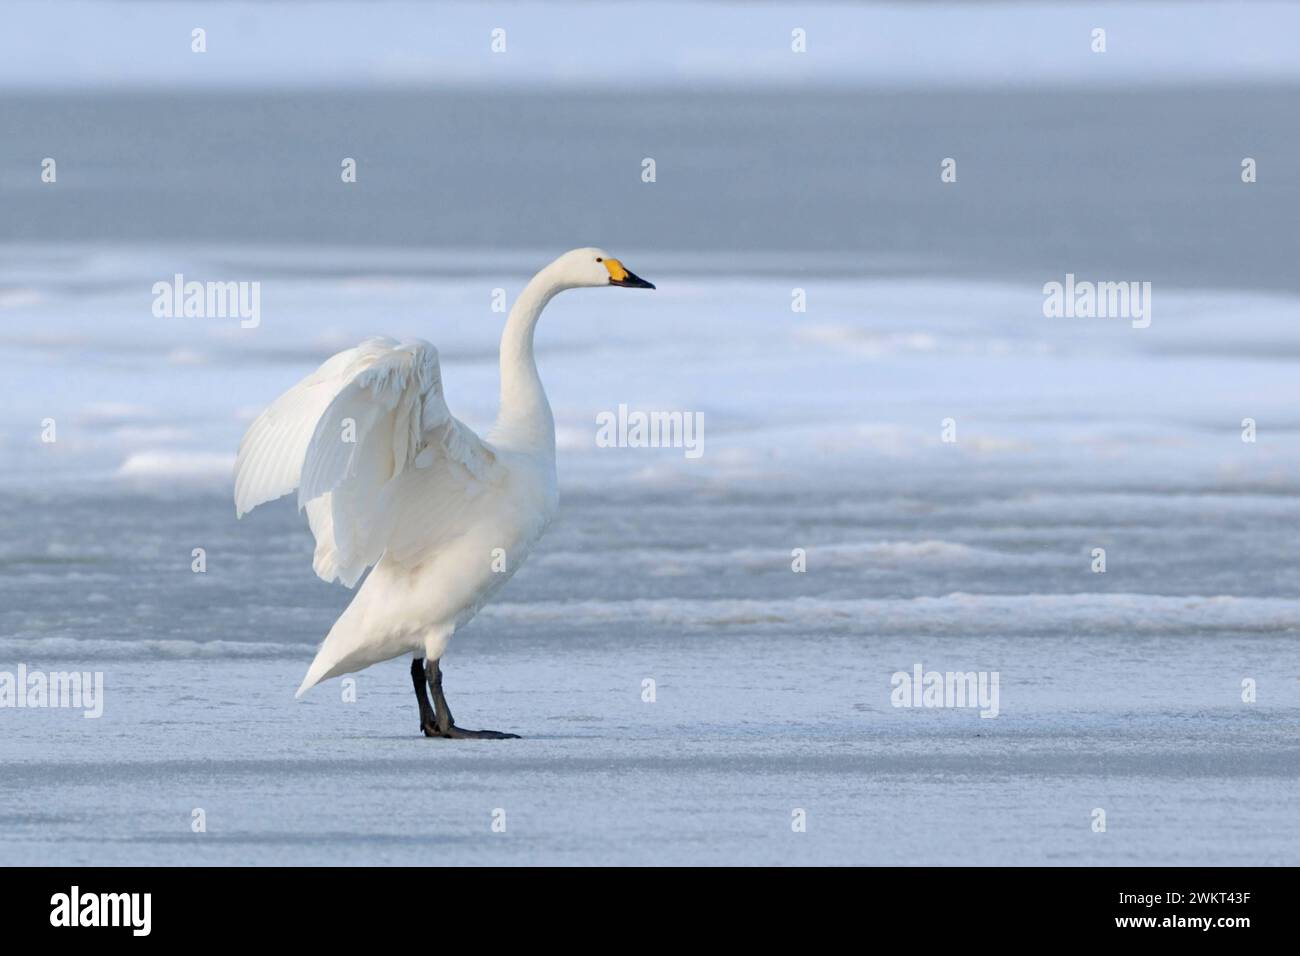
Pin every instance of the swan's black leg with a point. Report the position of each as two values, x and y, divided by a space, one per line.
444 723
428 722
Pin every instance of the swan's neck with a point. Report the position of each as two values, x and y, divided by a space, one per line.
525 419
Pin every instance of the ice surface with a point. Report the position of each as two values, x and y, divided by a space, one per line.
745 730
822 432
565 44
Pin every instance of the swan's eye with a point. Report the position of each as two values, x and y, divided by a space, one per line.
599 259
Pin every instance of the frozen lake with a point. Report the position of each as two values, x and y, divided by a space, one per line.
744 732
824 431
1119 690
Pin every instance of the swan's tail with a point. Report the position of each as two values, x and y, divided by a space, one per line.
319 670
355 641
344 649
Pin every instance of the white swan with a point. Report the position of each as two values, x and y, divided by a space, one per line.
390 478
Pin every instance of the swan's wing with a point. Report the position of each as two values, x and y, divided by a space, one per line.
272 450
388 452
372 422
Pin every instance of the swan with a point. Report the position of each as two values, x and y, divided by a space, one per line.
392 481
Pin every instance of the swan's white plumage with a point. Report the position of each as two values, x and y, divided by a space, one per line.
343 433
391 480
272 451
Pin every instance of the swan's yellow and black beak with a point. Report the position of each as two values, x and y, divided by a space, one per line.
618 275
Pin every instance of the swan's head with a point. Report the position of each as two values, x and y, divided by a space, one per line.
588 268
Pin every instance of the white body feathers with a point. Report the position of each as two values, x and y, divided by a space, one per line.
391 480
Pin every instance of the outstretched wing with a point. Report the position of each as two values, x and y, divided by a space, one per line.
369 422
272 450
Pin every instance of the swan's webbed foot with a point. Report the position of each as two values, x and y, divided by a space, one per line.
459 733
436 720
